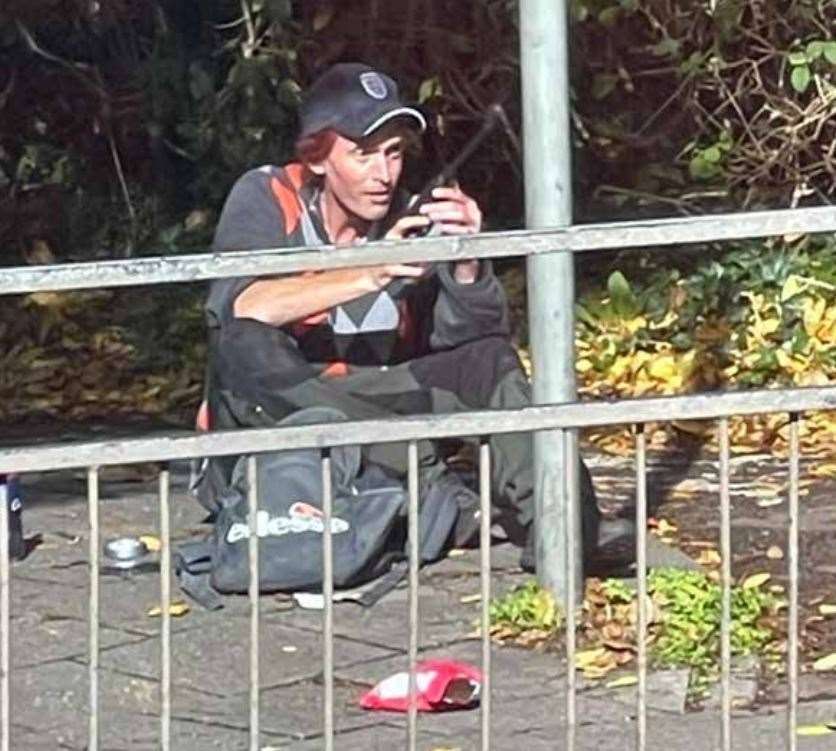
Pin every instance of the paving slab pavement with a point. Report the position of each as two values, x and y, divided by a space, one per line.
210 657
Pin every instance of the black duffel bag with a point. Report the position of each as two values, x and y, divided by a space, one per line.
368 523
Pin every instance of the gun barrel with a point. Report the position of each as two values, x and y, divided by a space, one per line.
494 115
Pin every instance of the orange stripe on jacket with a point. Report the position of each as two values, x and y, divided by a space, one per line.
336 369
288 200
296 174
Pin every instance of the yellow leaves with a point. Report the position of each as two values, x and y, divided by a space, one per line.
813 314
47 299
761 328
583 365
595 663
627 680
525 360
587 657
792 287
828 469
664 369
757 303
825 664
816 730
709 557
151 542
71 357
774 553
622 367
827 609
642 372
633 325
663 528
176 609
756 580
794 364
766 336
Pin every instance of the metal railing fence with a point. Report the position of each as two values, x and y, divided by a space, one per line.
570 417
580 238
567 417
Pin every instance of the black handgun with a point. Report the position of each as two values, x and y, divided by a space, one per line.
494 116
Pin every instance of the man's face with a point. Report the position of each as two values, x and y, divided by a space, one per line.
363 175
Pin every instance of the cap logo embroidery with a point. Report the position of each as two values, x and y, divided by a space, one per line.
373 85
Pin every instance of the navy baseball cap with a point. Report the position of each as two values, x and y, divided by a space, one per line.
354 100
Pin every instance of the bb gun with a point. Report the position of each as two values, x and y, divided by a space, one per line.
494 115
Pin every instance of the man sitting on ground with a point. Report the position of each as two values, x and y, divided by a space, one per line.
372 342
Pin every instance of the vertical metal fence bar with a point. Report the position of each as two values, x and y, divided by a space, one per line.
641 573
414 547
547 156
328 604
570 462
792 562
252 497
165 611
93 662
5 620
485 580
725 616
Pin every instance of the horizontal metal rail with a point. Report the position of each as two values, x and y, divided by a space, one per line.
487 422
579 238
572 729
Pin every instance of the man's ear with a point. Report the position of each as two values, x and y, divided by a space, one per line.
318 168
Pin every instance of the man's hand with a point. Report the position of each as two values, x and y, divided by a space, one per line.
378 277
405 225
453 212
456 213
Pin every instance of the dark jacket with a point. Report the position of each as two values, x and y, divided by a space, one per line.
273 207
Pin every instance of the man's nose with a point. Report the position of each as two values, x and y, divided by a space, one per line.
381 169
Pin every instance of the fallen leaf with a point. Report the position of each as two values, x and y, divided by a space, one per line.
588 657
827 609
177 609
775 553
824 470
793 285
500 633
152 542
756 580
662 527
468 599
768 502
824 664
627 680
811 730
709 557
695 485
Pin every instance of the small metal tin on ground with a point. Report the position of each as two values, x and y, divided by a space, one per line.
126 554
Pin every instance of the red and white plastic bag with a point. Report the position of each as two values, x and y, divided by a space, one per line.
441 685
